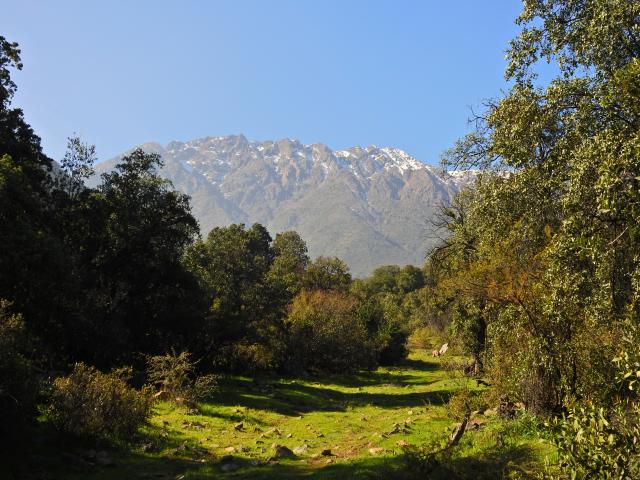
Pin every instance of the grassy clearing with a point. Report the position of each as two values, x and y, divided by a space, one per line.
363 419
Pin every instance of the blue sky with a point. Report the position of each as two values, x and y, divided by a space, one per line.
392 73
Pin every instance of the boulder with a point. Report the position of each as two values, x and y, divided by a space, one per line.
443 349
301 450
283 452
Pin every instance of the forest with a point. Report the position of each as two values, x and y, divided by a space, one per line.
154 350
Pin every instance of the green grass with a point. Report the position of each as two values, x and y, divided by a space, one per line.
348 414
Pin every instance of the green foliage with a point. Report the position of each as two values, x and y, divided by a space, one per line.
98 406
175 376
463 402
603 441
18 383
539 270
327 273
326 334
594 442
290 263
244 327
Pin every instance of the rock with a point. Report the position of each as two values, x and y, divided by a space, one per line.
326 452
301 450
320 435
376 450
289 435
229 467
238 426
443 349
230 449
283 452
403 443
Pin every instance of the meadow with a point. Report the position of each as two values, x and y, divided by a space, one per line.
364 425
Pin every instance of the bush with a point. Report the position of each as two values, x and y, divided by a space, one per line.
174 374
95 405
423 337
603 440
463 402
326 334
18 384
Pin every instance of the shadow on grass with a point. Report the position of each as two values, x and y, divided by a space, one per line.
293 398
487 465
496 463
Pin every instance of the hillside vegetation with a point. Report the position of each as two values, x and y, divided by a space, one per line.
362 425
132 344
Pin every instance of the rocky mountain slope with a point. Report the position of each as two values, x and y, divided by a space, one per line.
369 206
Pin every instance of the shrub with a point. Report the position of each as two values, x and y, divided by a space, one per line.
463 402
603 441
384 330
423 337
253 357
326 334
18 384
174 374
594 442
96 405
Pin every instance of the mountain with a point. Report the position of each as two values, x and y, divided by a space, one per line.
369 206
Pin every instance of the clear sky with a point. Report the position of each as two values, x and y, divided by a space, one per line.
347 72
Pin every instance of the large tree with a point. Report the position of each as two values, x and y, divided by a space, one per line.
556 228
244 324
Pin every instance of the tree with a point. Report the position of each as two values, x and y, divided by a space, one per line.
555 254
76 167
144 296
327 273
290 262
16 137
327 334
244 324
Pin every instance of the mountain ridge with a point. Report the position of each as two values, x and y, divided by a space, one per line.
367 205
